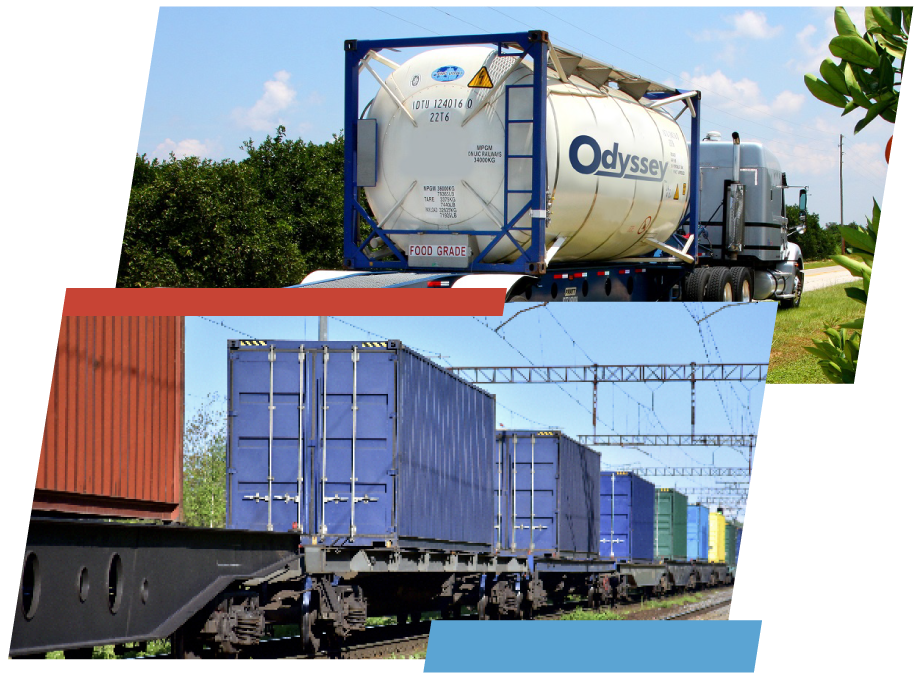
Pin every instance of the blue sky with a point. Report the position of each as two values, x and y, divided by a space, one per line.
555 335
219 76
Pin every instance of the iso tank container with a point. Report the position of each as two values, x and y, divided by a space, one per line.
112 443
549 501
717 537
670 524
627 517
697 532
454 130
357 443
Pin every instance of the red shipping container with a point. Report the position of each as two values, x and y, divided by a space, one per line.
113 433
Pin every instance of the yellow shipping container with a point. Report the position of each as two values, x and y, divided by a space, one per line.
716 537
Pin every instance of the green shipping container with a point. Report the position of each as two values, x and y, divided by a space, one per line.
670 524
731 529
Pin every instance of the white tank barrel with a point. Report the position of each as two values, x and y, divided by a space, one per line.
617 171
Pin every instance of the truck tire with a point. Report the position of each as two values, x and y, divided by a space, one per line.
719 286
742 283
696 284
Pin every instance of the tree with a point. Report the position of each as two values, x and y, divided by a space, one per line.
204 496
303 184
816 241
867 77
201 223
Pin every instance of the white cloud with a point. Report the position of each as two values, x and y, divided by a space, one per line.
265 114
749 25
754 25
787 102
186 147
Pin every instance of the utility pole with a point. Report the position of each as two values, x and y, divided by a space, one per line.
323 328
843 244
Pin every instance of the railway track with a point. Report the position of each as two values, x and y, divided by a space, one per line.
702 608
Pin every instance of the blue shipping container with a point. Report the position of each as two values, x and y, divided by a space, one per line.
361 443
697 532
738 543
627 517
549 498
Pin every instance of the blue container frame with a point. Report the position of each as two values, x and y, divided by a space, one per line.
531 260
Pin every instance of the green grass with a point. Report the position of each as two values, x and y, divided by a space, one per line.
108 651
796 328
820 263
589 615
417 655
672 601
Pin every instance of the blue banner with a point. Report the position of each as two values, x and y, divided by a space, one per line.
592 646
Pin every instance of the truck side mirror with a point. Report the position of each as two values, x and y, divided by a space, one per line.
803 206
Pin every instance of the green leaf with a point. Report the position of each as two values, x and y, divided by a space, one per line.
885 75
856 324
854 49
860 238
883 19
876 217
872 25
855 267
824 92
893 46
854 88
851 106
843 23
872 112
857 294
890 114
833 76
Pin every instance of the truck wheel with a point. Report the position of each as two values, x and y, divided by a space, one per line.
742 283
696 284
719 286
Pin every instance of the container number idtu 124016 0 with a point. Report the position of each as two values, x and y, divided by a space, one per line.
449 103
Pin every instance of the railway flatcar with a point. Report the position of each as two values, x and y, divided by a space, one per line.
362 480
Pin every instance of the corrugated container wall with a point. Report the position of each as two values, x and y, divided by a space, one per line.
731 529
361 443
551 505
670 524
627 517
716 537
697 532
112 443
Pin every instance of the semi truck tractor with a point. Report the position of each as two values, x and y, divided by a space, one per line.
505 161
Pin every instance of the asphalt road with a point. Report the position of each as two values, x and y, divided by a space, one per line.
822 277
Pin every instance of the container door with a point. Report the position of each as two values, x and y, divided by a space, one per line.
266 439
664 526
355 411
608 546
533 493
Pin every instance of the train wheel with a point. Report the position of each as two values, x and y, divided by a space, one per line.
308 634
482 608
